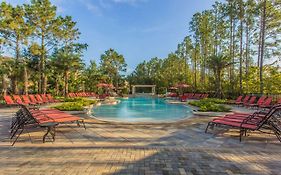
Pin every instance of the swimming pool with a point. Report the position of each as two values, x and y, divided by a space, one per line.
142 110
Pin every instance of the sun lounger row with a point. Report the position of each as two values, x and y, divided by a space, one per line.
251 101
172 95
46 118
82 94
30 99
248 122
186 96
87 94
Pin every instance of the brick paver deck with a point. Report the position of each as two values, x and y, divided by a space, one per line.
112 148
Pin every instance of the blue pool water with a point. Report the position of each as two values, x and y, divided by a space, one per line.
142 110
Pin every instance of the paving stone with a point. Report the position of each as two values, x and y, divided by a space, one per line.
110 148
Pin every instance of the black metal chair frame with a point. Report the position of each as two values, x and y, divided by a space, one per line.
24 118
244 130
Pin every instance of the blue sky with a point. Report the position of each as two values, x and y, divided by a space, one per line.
138 29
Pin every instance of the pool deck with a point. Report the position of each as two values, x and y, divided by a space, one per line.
119 148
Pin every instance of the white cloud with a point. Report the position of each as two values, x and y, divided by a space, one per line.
60 4
91 7
105 4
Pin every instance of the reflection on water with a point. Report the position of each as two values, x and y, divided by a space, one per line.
142 109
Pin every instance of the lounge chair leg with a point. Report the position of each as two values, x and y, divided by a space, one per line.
206 130
84 124
78 124
45 135
17 137
53 133
241 134
14 131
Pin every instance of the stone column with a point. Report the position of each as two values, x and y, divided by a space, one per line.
133 90
153 90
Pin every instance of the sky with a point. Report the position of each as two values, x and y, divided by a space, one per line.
137 29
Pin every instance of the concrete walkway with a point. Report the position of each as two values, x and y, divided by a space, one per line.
114 148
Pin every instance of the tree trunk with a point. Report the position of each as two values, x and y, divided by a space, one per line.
260 38
45 82
218 82
15 76
231 48
247 55
216 34
42 66
195 68
185 69
4 84
14 85
56 86
241 51
38 86
25 77
262 46
66 77
233 56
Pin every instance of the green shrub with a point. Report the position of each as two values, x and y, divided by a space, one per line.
215 100
76 99
212 105
2 102
75 104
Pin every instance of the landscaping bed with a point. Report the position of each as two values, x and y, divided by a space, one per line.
211 105
75 104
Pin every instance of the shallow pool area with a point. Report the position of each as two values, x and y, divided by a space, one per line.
142 109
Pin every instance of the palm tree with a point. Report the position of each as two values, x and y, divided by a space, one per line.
217 63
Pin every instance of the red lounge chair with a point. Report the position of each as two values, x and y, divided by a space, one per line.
266 103
51 98
27 100
275 124
183 98
244 101
18 100
39 98
9 101
93 94
238 100
251 101
259 102
191 96
197 96
252 122
48 118
71 95
172 95
205 96
45 98
102 96
34 100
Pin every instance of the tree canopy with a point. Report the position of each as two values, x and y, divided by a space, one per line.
230 49
243 32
